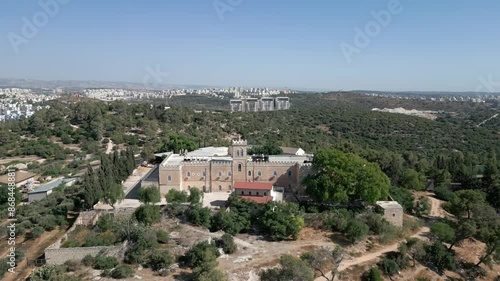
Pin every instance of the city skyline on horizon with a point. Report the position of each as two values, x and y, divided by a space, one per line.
393 46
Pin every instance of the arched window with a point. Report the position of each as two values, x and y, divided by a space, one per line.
204 173
237 153
242 153
259 173
257 193
265 193
229 174
249 173
188 174
220 187
275 173
289 173
169 178
220 174
242 192
249 193
239 167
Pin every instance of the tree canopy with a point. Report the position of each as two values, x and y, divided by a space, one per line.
345 177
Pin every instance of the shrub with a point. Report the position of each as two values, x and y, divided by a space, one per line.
390 234
200 254
376 223
338 219
105 222
443 193
422 206
389 267
176 196
103 262
71 244
198 215
227 244
100 239
356 230
35 232
162 236
372 275
88 260
135 255
122 272
195 196
149 195
71 266
438 255
160 260
48 222
148 214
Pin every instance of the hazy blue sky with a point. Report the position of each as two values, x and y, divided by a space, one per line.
427 45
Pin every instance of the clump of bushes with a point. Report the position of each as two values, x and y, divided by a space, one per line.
122 272
162 236
100 262
372 275
226 242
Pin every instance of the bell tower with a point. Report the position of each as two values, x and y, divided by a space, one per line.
238 151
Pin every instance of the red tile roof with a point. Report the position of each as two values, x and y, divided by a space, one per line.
258 199
253 185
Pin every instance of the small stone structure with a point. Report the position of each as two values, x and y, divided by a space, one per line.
392 211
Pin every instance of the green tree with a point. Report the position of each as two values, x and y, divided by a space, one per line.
105 222
411 179
148 214
195 196
439 256
345 177
372 275
226 242
176 196
282 220
464 202
200 254
323 261
199 215
388 266
356 230
291 269
149 195
227 220
212 274
422 206
160 260
113 195
443 232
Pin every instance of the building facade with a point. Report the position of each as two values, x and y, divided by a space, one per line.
216 169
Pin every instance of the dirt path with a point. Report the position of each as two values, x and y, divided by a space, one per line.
33 249
436 206
109 147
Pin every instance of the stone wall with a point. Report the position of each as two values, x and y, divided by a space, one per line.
61 255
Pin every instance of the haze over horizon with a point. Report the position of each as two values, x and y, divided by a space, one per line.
420 46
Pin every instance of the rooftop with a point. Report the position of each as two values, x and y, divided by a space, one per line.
253 185
202 154
51 185
20 176
389 204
